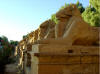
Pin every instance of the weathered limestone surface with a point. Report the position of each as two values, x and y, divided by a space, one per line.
69 47
40 48
64 16
65 59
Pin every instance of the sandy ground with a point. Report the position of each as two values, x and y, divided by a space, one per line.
11 69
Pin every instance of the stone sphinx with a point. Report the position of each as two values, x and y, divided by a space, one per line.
35 35
46 30
72 29
31 37
64 48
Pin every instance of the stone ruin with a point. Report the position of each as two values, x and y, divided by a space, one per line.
69 47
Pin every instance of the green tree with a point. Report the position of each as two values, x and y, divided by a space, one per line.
91 16
13 42
6 50
25 36
80 6
54 18
95 4
5 38
5 53
62 7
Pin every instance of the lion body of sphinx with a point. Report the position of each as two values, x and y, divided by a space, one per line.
71 29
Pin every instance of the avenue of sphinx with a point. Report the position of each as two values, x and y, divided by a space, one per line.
69 47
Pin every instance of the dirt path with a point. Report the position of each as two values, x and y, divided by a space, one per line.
11 69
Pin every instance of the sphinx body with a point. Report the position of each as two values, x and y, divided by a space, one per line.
72 29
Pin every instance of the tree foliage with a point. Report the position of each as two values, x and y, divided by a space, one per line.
91 15
25 36
80 7
4 38
53 18
14 43
62 7
6 51
95 4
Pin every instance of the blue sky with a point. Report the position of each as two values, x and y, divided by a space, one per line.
19 17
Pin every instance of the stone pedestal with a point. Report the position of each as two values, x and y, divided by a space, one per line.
56 59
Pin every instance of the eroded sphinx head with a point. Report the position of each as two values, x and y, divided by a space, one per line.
68 11
45 29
